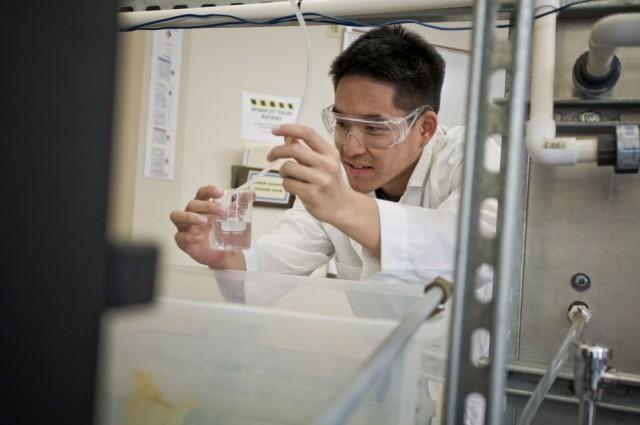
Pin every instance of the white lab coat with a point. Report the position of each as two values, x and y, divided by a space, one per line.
418 233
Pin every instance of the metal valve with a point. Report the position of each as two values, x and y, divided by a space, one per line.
590 366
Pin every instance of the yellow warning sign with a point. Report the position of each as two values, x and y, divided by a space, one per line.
260 112
272 104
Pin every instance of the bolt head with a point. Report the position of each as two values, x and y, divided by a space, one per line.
590 116
580 282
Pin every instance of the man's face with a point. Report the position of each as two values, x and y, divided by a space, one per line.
370 169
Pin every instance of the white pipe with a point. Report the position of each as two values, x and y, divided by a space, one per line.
621 30
587 149
543 145
543 62
260 11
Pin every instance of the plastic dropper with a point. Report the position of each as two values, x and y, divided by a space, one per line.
271 165
262 172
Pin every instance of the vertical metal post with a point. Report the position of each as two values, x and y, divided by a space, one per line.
484 119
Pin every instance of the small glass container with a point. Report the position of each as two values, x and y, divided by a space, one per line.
232 228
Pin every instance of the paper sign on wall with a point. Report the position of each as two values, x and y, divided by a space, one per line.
260 112
162 117
268 188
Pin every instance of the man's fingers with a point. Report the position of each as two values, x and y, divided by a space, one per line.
185 239
204 207
293 170
181 219
296 187
310 137
297 151
208 192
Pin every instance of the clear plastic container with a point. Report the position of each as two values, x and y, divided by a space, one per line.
330 297
235 364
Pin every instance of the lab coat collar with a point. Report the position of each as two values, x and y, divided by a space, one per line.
423 166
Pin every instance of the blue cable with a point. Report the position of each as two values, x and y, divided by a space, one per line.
210 15
314 18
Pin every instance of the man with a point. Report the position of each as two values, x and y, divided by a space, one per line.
396 218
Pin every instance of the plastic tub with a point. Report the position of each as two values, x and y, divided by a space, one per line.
204 363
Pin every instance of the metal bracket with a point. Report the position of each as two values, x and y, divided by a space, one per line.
594 116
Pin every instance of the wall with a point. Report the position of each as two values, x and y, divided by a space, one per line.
583 219
208 122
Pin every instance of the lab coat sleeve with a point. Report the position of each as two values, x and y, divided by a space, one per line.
298 245
418 244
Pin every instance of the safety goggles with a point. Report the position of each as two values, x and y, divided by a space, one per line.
370 133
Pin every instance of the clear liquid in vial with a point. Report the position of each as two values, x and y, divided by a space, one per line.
231 234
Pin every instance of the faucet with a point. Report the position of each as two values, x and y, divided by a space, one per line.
590 366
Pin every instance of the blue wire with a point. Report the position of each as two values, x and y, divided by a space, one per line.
309 16
314 18
210 15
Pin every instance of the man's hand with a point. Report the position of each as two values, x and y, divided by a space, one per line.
194 226
315 177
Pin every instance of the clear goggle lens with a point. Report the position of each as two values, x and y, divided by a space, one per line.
375 134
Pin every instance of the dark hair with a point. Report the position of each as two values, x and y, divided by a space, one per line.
395 55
